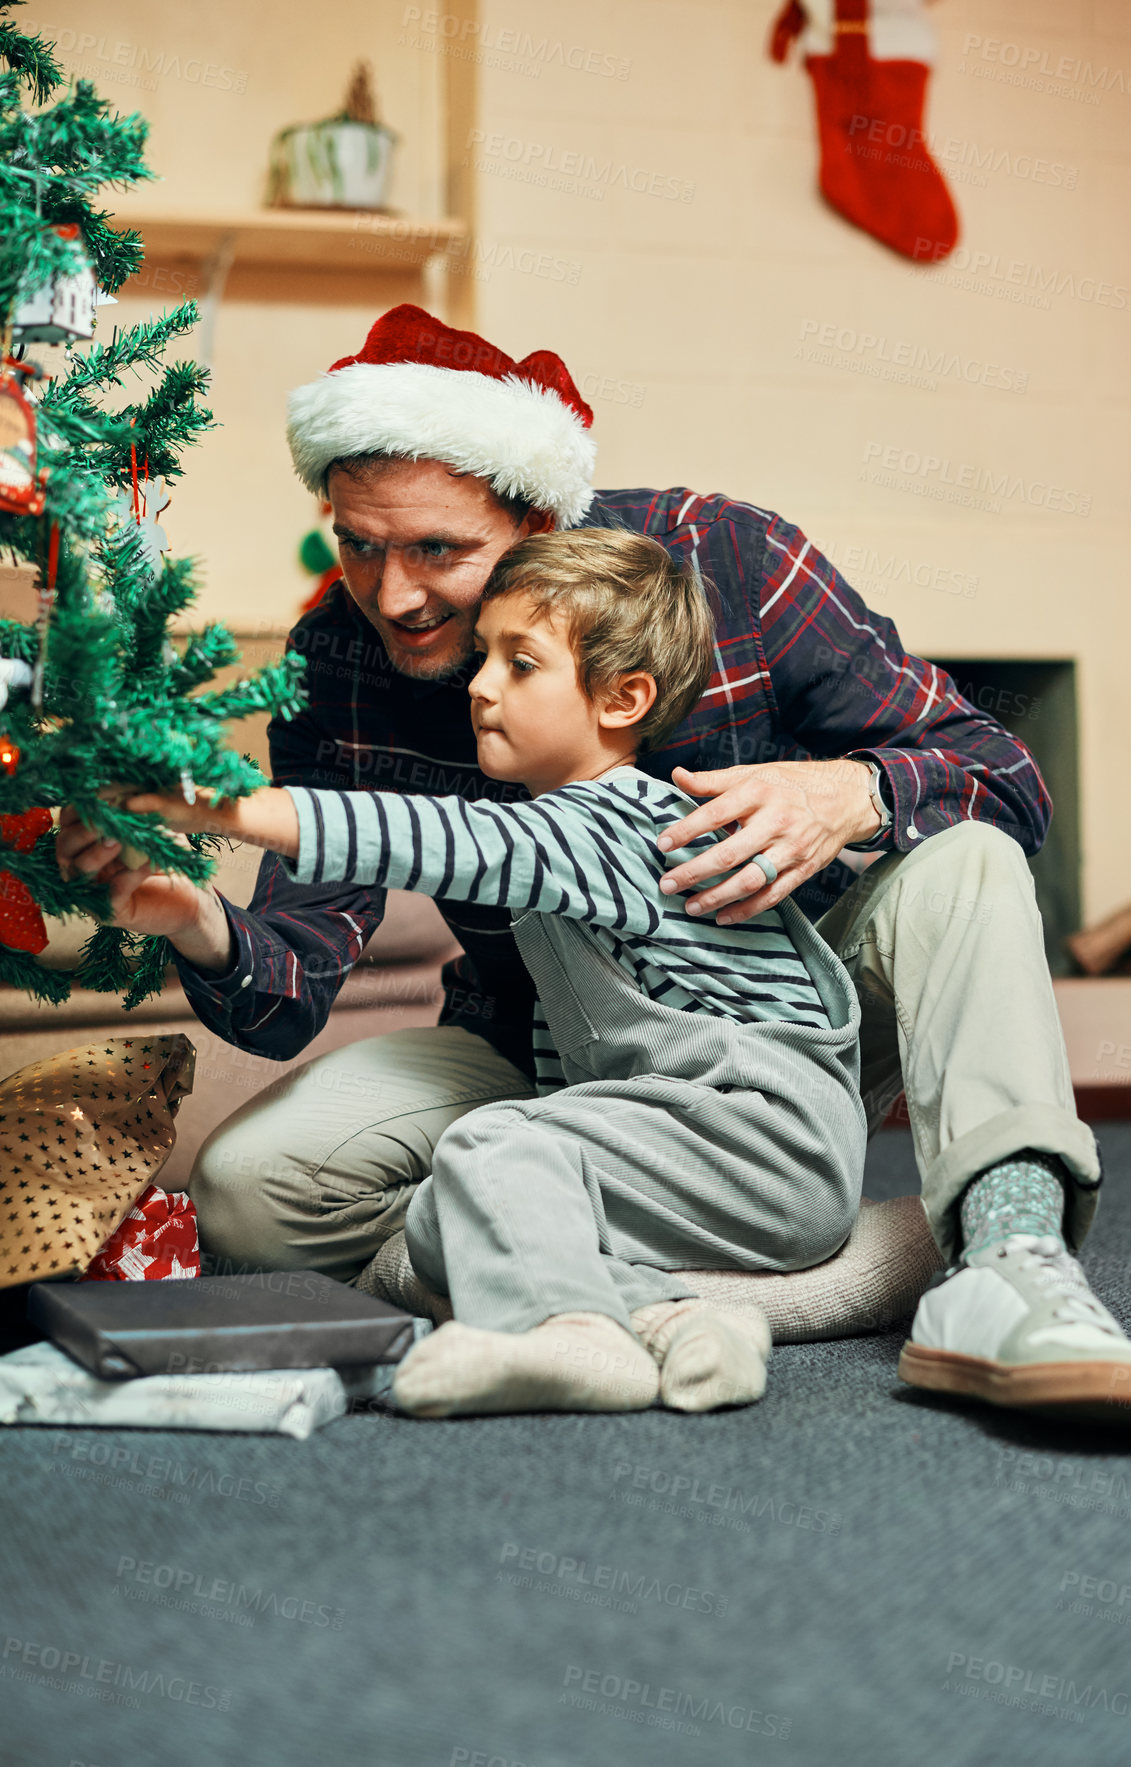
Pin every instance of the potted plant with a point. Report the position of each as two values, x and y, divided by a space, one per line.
342 163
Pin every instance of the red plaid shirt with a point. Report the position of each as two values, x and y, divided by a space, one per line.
803 669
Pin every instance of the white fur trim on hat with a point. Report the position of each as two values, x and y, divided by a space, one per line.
523 439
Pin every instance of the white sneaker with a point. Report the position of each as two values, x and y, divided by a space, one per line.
1018 1325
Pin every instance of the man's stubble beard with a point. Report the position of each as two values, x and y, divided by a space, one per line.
428 668
413 668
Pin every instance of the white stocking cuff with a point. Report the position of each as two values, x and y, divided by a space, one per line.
898 30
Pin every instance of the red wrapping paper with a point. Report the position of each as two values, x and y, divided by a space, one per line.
157 1241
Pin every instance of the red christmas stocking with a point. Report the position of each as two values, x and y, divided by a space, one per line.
21 923
869 61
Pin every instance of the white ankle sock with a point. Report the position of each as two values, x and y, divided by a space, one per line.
706 1359
571 1362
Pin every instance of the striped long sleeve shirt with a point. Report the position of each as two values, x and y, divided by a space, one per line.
587 851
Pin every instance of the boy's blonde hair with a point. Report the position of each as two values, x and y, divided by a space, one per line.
628 605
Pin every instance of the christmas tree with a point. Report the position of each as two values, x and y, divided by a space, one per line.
95 700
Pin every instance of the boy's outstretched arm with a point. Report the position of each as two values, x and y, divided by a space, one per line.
557 855
267 818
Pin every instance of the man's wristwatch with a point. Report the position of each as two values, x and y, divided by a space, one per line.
876 793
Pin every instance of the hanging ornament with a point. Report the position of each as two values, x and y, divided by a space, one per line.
21 485
870 61
143 504
21 922
15 675
60 310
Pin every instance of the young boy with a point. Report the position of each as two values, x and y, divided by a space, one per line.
698 1084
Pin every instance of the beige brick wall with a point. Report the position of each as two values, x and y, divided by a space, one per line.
718 316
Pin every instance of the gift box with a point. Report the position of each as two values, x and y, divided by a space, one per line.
82 1136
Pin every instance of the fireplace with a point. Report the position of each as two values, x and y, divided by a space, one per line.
1036 701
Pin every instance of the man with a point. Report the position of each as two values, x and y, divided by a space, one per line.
816 733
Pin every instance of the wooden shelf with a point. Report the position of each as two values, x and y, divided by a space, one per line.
279 239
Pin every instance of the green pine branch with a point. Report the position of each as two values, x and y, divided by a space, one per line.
19 970
141 346
163 850
117 962
51 164
103 965
275 688
116 253
83 143
153 957
18 640
39 871
205 652
167 422
152 433
31 58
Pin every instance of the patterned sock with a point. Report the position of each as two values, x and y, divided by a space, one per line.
1024 1194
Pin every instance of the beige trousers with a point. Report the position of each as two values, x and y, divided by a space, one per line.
944 947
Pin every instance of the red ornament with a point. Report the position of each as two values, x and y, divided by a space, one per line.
21 487
21 923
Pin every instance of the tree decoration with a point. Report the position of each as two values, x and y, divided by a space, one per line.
60 309
21 923
143 504
21 483
112 702
14 676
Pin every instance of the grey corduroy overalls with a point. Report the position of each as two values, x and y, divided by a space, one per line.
683 1141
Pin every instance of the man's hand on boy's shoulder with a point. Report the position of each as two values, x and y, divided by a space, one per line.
799 814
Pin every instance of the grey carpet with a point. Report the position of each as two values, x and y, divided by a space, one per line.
846 1573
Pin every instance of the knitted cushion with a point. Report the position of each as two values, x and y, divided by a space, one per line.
875 1279
390 1277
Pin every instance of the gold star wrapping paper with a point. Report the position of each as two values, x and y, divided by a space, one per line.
82 1134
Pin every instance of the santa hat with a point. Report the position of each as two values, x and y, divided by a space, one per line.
422 391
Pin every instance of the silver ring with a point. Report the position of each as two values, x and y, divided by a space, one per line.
768 867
